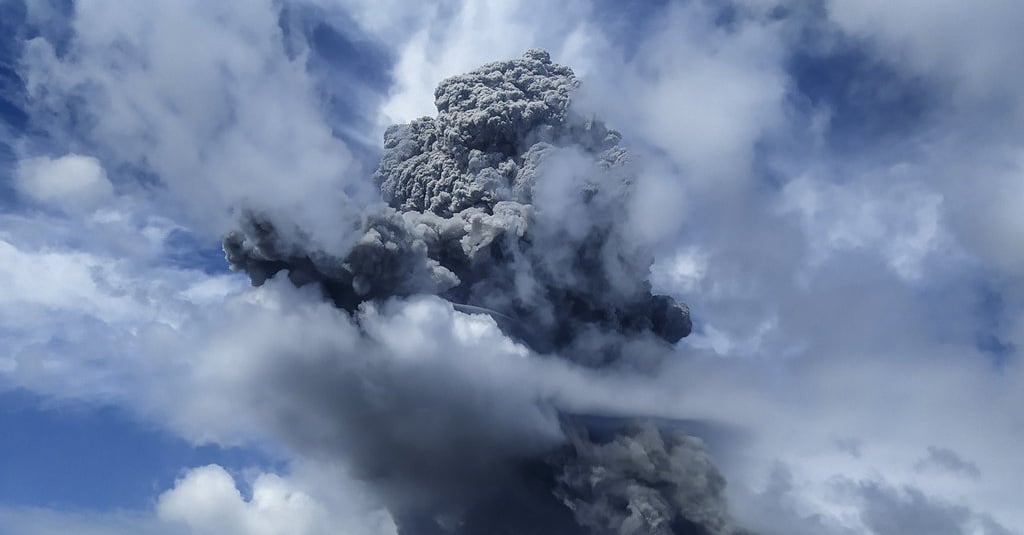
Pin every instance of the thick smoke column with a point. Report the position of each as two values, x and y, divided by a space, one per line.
509 202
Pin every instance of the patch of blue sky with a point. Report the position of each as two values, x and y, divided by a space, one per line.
27 19
626 22
870 101
13 117
992 318
183 249
352 71
97 458
20 134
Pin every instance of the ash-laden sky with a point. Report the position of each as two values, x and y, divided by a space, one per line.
523 267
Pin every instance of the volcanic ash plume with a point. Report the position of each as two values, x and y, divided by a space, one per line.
510 203
507 201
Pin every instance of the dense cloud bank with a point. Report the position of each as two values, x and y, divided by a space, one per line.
510 205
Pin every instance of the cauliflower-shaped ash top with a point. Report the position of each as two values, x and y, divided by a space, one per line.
477 151
494 107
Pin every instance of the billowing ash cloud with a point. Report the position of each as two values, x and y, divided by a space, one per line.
510 203
507 200
643 481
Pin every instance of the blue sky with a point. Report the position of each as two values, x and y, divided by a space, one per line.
833 186
50 449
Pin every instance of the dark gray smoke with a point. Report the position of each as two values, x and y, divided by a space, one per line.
511 203
643 481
